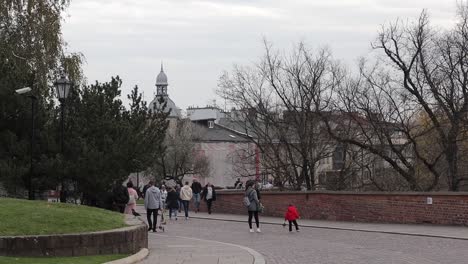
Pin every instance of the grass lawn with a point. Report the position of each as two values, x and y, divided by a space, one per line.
65 260
24 217
141 201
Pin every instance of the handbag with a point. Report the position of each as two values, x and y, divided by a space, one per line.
260 207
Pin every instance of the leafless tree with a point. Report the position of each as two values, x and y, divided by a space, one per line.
279 100
410 107
181 156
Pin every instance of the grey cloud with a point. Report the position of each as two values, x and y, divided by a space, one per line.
197 40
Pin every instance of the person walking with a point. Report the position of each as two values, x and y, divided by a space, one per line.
163 195
253 204
291 216
209 194
186 195
133 197
172 202
196 190
120 197
145 188
153 203
177 189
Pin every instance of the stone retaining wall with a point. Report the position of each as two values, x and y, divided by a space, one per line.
127 240
446 209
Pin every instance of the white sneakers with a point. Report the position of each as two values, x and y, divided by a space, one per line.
258 230
251 230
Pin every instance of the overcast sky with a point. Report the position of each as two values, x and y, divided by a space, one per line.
198 40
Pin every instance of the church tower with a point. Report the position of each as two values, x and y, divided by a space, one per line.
161 93
161 83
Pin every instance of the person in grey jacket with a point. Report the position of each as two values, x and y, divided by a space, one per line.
153 203
253 207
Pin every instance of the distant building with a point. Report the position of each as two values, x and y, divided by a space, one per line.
226 149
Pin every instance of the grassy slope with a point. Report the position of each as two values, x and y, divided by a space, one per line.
68 260
23 217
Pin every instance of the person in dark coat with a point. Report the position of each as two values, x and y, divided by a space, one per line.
172 202
120 197
209 195
196 190
145 188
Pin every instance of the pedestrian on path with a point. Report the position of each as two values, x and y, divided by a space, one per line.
253 204
196 190
209 194
120 197
291 216
163 196
172 203
145 188
186 195
133 197
153 203
177 188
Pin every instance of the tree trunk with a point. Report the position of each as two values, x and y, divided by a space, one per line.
452 163
305 173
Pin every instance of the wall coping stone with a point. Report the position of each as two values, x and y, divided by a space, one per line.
278 192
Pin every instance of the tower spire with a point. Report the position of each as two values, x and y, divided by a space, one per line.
162 70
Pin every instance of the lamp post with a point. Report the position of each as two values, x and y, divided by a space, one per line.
62 87
31 166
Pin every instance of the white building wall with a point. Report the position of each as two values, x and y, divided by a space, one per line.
220 156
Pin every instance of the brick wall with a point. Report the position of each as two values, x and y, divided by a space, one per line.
446 208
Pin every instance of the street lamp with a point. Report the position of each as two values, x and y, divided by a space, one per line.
62 87
31 168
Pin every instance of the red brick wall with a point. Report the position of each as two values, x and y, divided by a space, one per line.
446 208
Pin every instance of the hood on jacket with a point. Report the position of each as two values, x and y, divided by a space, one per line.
153 189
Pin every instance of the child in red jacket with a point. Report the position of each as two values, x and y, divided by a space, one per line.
291 215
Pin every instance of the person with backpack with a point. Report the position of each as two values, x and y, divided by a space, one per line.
132 193
209 195
253 204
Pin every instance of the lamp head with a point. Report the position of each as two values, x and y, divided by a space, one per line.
23 90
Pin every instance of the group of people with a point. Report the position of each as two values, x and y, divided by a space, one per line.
175 198
254 207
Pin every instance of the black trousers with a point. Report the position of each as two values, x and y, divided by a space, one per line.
152 224
295 224
254 214
208 204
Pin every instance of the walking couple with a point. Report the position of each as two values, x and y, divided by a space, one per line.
206 193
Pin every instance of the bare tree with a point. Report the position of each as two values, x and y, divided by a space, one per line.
410 108
280 100
181 156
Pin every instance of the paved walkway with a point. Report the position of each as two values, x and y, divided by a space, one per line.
178 250
222 238
454 232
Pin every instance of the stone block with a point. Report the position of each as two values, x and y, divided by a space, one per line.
63 252
94 250
79 251
106 250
